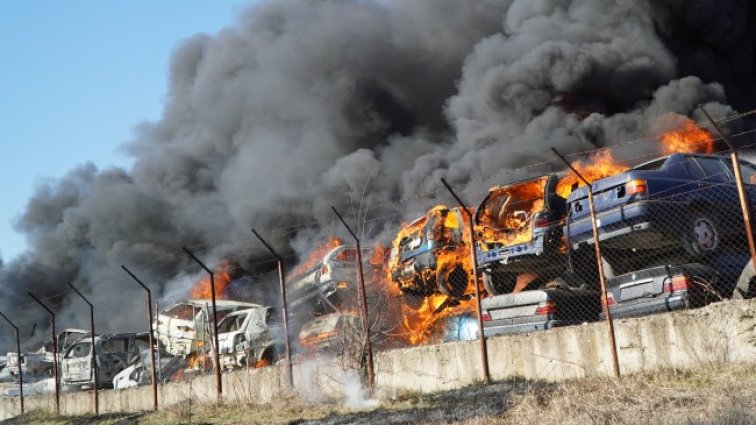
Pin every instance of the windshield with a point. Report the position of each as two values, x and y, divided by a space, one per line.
182 311
81 349
231 323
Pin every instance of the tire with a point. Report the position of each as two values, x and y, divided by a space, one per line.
497 282
454 283
702 237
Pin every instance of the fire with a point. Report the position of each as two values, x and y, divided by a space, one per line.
201 290
262 363
423 324
315 256
507 214
599 165
689 138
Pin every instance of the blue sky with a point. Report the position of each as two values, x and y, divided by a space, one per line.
76 77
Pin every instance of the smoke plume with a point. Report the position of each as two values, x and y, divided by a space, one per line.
301 105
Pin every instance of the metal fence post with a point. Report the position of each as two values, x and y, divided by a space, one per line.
148 295
284 307
18 353
474 258
363 301
216 357
602 279
55 353
94 354
745 206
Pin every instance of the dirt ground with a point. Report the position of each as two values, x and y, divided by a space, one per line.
710 395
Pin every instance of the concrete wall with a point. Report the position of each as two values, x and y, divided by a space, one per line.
718 333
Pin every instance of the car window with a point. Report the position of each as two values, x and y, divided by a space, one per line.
115 345
694 170
231 323
747 171
79 350
714 169
182 312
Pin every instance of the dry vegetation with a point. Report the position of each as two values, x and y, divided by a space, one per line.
711 395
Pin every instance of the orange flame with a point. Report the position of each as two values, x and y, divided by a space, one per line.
201 289
315 256
689 138
599 165
423 325
262 363
506 216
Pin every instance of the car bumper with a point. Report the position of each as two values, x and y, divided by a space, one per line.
493 328
649 306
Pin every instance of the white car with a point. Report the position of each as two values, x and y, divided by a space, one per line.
246 336
184 328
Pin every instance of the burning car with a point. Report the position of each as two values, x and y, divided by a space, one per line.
41 361
519 228
113 353
686 201
432 254
246 336
331 332
184 327
329 281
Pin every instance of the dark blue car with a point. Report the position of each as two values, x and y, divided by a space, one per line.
683 202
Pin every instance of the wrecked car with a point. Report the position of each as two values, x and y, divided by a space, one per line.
140 373
113 353
432 254
554 305
41 361
333 332
663 288
185 327
519 235
246 337
681 201
330 282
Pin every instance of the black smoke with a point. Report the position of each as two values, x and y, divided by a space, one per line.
301 105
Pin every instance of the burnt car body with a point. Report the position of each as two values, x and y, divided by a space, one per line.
330 282
663 288
41 361
113 353
519 228
432 254
685 202
334 332
184 327
540 309
247 336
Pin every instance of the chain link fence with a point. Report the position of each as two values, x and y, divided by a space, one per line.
671 235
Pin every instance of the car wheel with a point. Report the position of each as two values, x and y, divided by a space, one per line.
746 287
703 237
453 283
497 282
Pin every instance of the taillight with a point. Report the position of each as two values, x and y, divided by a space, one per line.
549 307
485 316
678 283
541 222
610 301
636 186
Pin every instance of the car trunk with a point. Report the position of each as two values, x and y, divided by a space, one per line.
570 304
657 281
